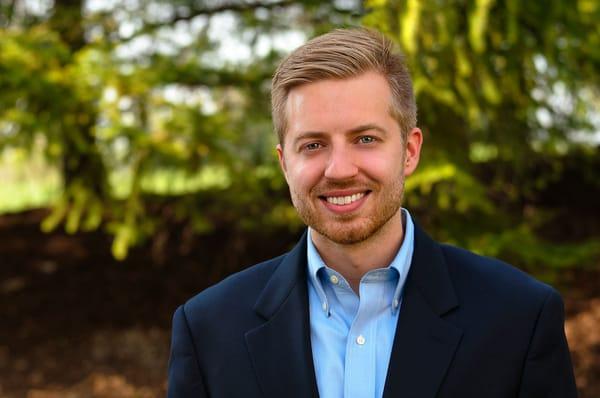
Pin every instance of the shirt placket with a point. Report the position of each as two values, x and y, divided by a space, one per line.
360 361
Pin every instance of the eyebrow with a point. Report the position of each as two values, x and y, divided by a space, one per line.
355 130
308 135
365 127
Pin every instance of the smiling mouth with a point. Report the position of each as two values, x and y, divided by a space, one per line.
344 200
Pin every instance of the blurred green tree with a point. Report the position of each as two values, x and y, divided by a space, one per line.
508 99
158 112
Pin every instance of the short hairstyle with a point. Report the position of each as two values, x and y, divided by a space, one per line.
340 54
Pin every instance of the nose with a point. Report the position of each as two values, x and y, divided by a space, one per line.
340 165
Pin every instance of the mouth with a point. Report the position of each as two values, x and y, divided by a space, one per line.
343 202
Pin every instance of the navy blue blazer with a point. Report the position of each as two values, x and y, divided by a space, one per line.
469 326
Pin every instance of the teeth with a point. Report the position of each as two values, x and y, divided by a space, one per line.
344 200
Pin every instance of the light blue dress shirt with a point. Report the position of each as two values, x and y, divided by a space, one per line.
352 336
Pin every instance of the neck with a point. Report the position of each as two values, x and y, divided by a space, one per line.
355 260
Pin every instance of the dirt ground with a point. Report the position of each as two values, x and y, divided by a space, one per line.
76 323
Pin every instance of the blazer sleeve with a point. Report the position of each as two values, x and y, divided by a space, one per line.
185 379
548 372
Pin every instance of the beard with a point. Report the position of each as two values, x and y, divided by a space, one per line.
352 228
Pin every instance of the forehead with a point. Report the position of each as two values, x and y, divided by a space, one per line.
339 104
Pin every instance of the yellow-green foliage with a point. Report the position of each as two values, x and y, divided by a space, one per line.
493 176
141 121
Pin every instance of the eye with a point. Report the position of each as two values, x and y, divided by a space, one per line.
312 146
366 139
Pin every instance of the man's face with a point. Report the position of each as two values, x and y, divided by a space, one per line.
343 156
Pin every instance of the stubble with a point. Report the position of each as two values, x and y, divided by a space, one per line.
355 227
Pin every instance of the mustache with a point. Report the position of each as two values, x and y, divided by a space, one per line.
332 185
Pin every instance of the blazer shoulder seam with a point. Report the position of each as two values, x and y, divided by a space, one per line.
547 297
189 330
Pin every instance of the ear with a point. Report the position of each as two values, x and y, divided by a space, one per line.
414 140
281 159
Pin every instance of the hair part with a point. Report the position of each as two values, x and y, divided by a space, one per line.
342 54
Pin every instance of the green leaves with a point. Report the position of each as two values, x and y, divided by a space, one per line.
501 86
478 23
144 123
145 120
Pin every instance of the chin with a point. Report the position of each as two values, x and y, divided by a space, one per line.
346 234
347 229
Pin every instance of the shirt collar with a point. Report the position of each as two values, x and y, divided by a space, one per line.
401 263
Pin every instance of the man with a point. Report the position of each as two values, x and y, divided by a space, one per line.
366 304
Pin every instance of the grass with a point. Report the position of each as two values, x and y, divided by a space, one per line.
27 182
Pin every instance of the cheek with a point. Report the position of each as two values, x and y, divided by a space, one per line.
381 166
303 175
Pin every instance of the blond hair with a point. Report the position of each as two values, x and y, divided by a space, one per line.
341 54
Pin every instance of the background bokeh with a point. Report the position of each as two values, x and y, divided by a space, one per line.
137 163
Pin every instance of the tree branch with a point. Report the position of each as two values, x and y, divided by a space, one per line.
209 11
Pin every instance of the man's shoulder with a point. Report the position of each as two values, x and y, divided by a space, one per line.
239 290
488 270
492 280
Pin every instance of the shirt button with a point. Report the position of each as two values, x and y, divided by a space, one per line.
334 279
324 306
396 303
360 340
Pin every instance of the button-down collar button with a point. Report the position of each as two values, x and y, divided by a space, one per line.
334 279
396 303
324 306
360 340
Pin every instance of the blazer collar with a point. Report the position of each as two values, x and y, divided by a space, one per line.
291 272
425 342
429 272
280 348
423 347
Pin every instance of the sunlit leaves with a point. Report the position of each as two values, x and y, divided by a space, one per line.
410 23
150 112
158 117
478 23
503 87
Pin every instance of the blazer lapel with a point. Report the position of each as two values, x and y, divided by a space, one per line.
425 343
280 348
